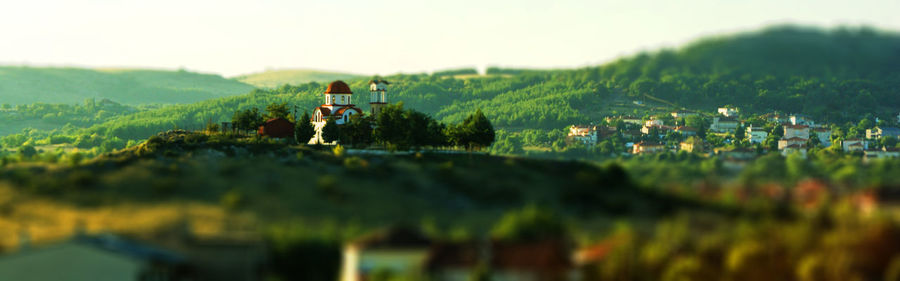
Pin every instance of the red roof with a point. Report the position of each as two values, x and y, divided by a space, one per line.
338 87
277 128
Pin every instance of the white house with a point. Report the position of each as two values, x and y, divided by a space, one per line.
756 134
786 142
683 114
728 111
852 145
585 134
794 148
824 135
796 131
338 106
878 132
724 124
648 147
884 152
653 122
798 119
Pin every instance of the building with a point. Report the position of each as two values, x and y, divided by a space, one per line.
338 106
724 124
793 148
796 131
653 122
884 152
94 258
585 134
692 145
756 134
683 114
277 128
853 145
878 132
824 135
786 142
648 147
799 119
728 111
377 97
686 131
661 130
400 250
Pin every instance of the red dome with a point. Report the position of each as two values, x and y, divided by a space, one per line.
338 87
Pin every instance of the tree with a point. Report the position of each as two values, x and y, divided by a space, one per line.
330 132
305 130
247 120
390 127
474 132
528 225
277 110
27 151
358 131
739 132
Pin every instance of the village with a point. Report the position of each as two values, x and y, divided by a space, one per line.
730 135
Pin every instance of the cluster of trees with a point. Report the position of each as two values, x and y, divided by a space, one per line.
396 127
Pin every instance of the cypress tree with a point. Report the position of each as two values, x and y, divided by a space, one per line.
305 130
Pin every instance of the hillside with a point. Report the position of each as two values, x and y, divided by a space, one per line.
275 78
25 85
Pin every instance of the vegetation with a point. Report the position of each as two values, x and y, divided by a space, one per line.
277 78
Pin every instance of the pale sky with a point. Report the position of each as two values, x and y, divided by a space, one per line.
385 37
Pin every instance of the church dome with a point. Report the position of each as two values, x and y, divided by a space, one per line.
338 87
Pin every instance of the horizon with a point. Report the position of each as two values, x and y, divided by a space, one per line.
239 38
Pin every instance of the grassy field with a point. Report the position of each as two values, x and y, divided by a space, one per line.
275 78
24 85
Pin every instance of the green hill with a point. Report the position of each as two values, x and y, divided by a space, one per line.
275 78
24 85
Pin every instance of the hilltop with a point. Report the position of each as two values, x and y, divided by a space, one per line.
25 85
275 78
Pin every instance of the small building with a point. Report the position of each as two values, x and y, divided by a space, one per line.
796 131
884 152
724 124
586 134
692 144
648 147
756 134
878 132
785 142
339 107
662 130
653 122
683 113
799 119
401 251
686 131
794 148
728 111
94 258
853 145
277 128
824 135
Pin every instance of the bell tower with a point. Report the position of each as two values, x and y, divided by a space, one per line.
377 99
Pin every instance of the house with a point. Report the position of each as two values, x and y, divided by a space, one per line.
724 124
692 144
94 258
756 134
585 134
528 260
662 130
653 122
648 147
776 118
785 142
878 132
793 148
401 251
339 107
277 128
796 131
799 119
824 135
884 152
853 145
686 131
627 119
683 114
728 111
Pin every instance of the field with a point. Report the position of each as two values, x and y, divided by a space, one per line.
276 78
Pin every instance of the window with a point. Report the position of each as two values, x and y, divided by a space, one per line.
342 99
332 99
345 118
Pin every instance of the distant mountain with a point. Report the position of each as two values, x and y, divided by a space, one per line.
23 85
275 78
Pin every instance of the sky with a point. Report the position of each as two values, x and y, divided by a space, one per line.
385 37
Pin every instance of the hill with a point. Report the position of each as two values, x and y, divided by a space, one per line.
275 78
25 85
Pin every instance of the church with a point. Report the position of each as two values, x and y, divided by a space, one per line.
339 105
